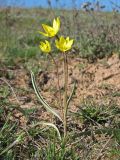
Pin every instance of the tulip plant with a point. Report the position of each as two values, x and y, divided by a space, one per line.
64 45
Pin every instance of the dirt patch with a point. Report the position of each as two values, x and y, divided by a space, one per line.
98 82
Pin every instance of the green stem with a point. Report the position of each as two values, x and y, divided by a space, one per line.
65 94
58 80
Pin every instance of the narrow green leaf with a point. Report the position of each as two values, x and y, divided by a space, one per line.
72 93
41 99
48 124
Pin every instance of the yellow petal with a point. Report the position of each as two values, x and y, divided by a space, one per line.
47 28
48 45
67 39
62 40
56 24
69 44
58 21
57 43
45 34
41 43
42 48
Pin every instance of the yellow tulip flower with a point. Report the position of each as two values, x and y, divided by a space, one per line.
45 46
64 44
51 31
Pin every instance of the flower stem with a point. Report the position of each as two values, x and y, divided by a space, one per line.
58 81
65 94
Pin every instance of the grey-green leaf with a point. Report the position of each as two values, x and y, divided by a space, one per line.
41 99
48 124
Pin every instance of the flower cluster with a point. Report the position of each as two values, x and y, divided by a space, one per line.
45 46
63 44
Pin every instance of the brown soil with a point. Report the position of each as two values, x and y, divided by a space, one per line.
99 82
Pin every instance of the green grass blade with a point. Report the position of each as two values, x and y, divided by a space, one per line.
13 144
